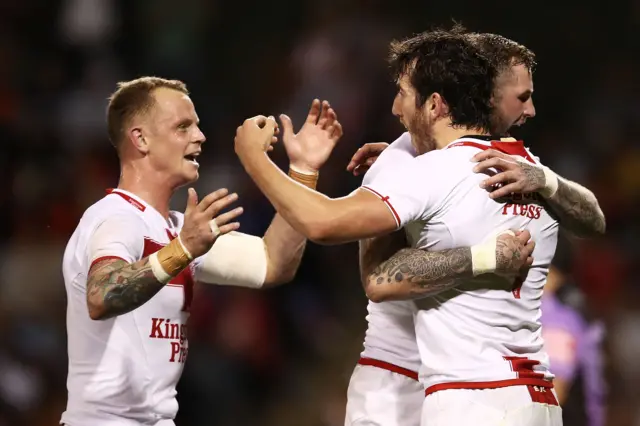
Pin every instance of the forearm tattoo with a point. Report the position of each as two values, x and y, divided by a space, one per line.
426 273
122 287
577 209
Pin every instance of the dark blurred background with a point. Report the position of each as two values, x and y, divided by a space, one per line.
284 356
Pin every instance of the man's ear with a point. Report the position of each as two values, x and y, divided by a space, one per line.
136 137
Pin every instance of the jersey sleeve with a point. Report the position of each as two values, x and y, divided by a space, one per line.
119 236
403 187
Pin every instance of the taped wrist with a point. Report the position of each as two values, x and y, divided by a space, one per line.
550 183
310 180
170 260
483 255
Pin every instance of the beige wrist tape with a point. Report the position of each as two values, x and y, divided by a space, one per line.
550 183
307 179
170 260
483 255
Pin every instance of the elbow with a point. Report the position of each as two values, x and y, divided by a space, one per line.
279 279
96 310
376 293
595 229
602 225
321 232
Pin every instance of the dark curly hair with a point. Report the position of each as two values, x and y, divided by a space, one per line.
447 62
505 53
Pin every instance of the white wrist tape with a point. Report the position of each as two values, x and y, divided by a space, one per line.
483 255
214 227
157 269
235 259
550 183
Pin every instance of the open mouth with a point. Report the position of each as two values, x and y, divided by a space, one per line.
192 158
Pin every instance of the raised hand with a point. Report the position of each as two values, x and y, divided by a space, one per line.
255 136
365 156
311 147
514 175
198 233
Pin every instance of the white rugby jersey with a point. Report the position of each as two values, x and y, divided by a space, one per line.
124 370
390 335
486 332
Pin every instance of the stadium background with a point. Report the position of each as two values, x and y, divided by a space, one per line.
283 357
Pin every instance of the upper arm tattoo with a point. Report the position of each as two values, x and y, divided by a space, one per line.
120 287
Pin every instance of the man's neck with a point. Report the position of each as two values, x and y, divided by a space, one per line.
446 134
152 189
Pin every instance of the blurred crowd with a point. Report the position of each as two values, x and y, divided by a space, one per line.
283 357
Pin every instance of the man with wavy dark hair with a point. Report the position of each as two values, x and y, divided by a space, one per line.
443 106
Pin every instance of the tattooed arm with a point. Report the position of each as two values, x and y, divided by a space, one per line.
414 273
577 209
374 251
575 206
115 287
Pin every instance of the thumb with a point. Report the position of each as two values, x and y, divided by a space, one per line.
524 236
271 123
192 200
287 126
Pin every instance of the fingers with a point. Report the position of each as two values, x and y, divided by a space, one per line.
225 229
192 200
523 236
487 154
211 198
228 216
529 261
505 191
360 169
287 126
324 115
314 112
368 150
495 163
528 249
270 124
220 205
337 132
258 120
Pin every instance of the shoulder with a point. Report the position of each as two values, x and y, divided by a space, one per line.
402 144
391 159
113 210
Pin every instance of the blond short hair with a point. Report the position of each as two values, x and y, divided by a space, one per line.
133 98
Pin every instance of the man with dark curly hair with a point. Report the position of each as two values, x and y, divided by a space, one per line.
478 339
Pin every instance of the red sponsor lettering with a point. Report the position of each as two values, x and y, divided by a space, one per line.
178 352
162 328
156 331
530 211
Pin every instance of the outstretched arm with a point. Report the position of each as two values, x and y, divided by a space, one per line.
314 215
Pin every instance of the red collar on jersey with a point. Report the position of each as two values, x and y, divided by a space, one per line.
510 148
129 199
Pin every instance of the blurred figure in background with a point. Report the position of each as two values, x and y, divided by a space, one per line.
574 341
